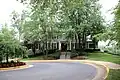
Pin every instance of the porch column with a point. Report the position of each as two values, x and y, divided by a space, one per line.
59 45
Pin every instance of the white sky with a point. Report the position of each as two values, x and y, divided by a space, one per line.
107 8
7 6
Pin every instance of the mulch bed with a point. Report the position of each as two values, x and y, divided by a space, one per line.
11 64
79 58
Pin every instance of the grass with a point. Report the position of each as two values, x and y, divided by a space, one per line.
114 74
99 56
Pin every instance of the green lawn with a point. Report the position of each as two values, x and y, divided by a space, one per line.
114 74
104 57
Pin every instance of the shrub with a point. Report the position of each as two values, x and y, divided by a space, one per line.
1 59
12 61
91 50
55 55
73 55
112 50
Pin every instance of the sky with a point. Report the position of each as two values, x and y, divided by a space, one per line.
7 6
107 9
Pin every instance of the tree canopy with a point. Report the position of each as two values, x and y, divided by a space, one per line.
117 23
50 19
9 45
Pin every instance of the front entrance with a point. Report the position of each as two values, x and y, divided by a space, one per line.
63 47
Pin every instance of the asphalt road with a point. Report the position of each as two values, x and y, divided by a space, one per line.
52 71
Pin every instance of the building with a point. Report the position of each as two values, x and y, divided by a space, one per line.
59 44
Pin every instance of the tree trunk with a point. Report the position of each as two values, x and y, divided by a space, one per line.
19 34
75 41
79 38
94 43
46 52
52 46
49 45
83 40
7 58
33 48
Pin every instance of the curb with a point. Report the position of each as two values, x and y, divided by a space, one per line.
106 68
107 71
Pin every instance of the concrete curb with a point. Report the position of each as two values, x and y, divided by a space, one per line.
107 71
106 68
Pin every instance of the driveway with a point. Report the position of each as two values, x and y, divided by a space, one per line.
52 71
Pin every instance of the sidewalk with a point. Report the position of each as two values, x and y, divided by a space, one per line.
62 56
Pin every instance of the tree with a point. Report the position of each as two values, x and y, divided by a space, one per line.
86 20
39 27
9 45
57 16
112 30
17 21
117 23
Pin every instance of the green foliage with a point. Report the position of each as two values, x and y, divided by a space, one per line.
9 45
49 20
117 23
55 55
108 34
54 17
85 20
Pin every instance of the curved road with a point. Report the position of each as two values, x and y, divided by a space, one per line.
52 71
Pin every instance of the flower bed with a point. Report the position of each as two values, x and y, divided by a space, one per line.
11 64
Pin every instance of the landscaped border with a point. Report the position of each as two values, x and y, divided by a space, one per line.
16 68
